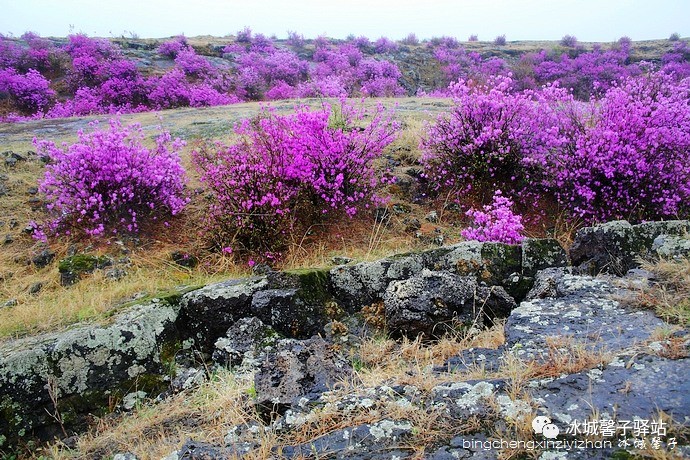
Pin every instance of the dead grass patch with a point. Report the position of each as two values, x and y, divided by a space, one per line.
153 431
411 362
670 297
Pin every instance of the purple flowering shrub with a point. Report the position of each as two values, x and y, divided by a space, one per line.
29 92
677 61
457 63
384 45
35 53
358 76
496 222
410 39
296 40
172 48
192 82
91 58
631 158
492 137
108 182
289 171
586 72
260 73
327 86
244 35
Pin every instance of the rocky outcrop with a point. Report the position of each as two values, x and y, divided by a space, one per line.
632 378
582 309
209 312
382 440
511 267
48 383
296 369
616 247
429 303
270 325
243 342
295 304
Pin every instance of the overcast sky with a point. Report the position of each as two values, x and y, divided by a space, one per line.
588 20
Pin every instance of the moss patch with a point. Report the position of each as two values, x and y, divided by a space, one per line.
83 263
313 285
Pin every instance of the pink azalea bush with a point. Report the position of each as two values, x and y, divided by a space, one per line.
631 158
29 92
172 48
495 222
108 182
493 137
288 171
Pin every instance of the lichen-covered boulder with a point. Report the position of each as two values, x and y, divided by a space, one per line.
288 312
360 284
616 247
541 253
196 450
495 264
488 359
639 386
546 283
209 312
671 246
463 400
294 369
498 264
295 304
429 302
381 440
78 371
585 310
244 340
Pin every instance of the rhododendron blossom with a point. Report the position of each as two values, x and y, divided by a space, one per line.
108 182
290 170
496 222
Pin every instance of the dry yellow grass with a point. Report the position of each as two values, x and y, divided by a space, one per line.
410 362
670 298
154 431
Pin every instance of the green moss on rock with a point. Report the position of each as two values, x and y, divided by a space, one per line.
313 285
83 263
72 268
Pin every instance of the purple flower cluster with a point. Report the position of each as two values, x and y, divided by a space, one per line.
268 72
384 46
458 64
29 92
677 61
172 48
291 170
108 182
586 72
630 158
493 138
94 75
625 155
31 52
496 222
